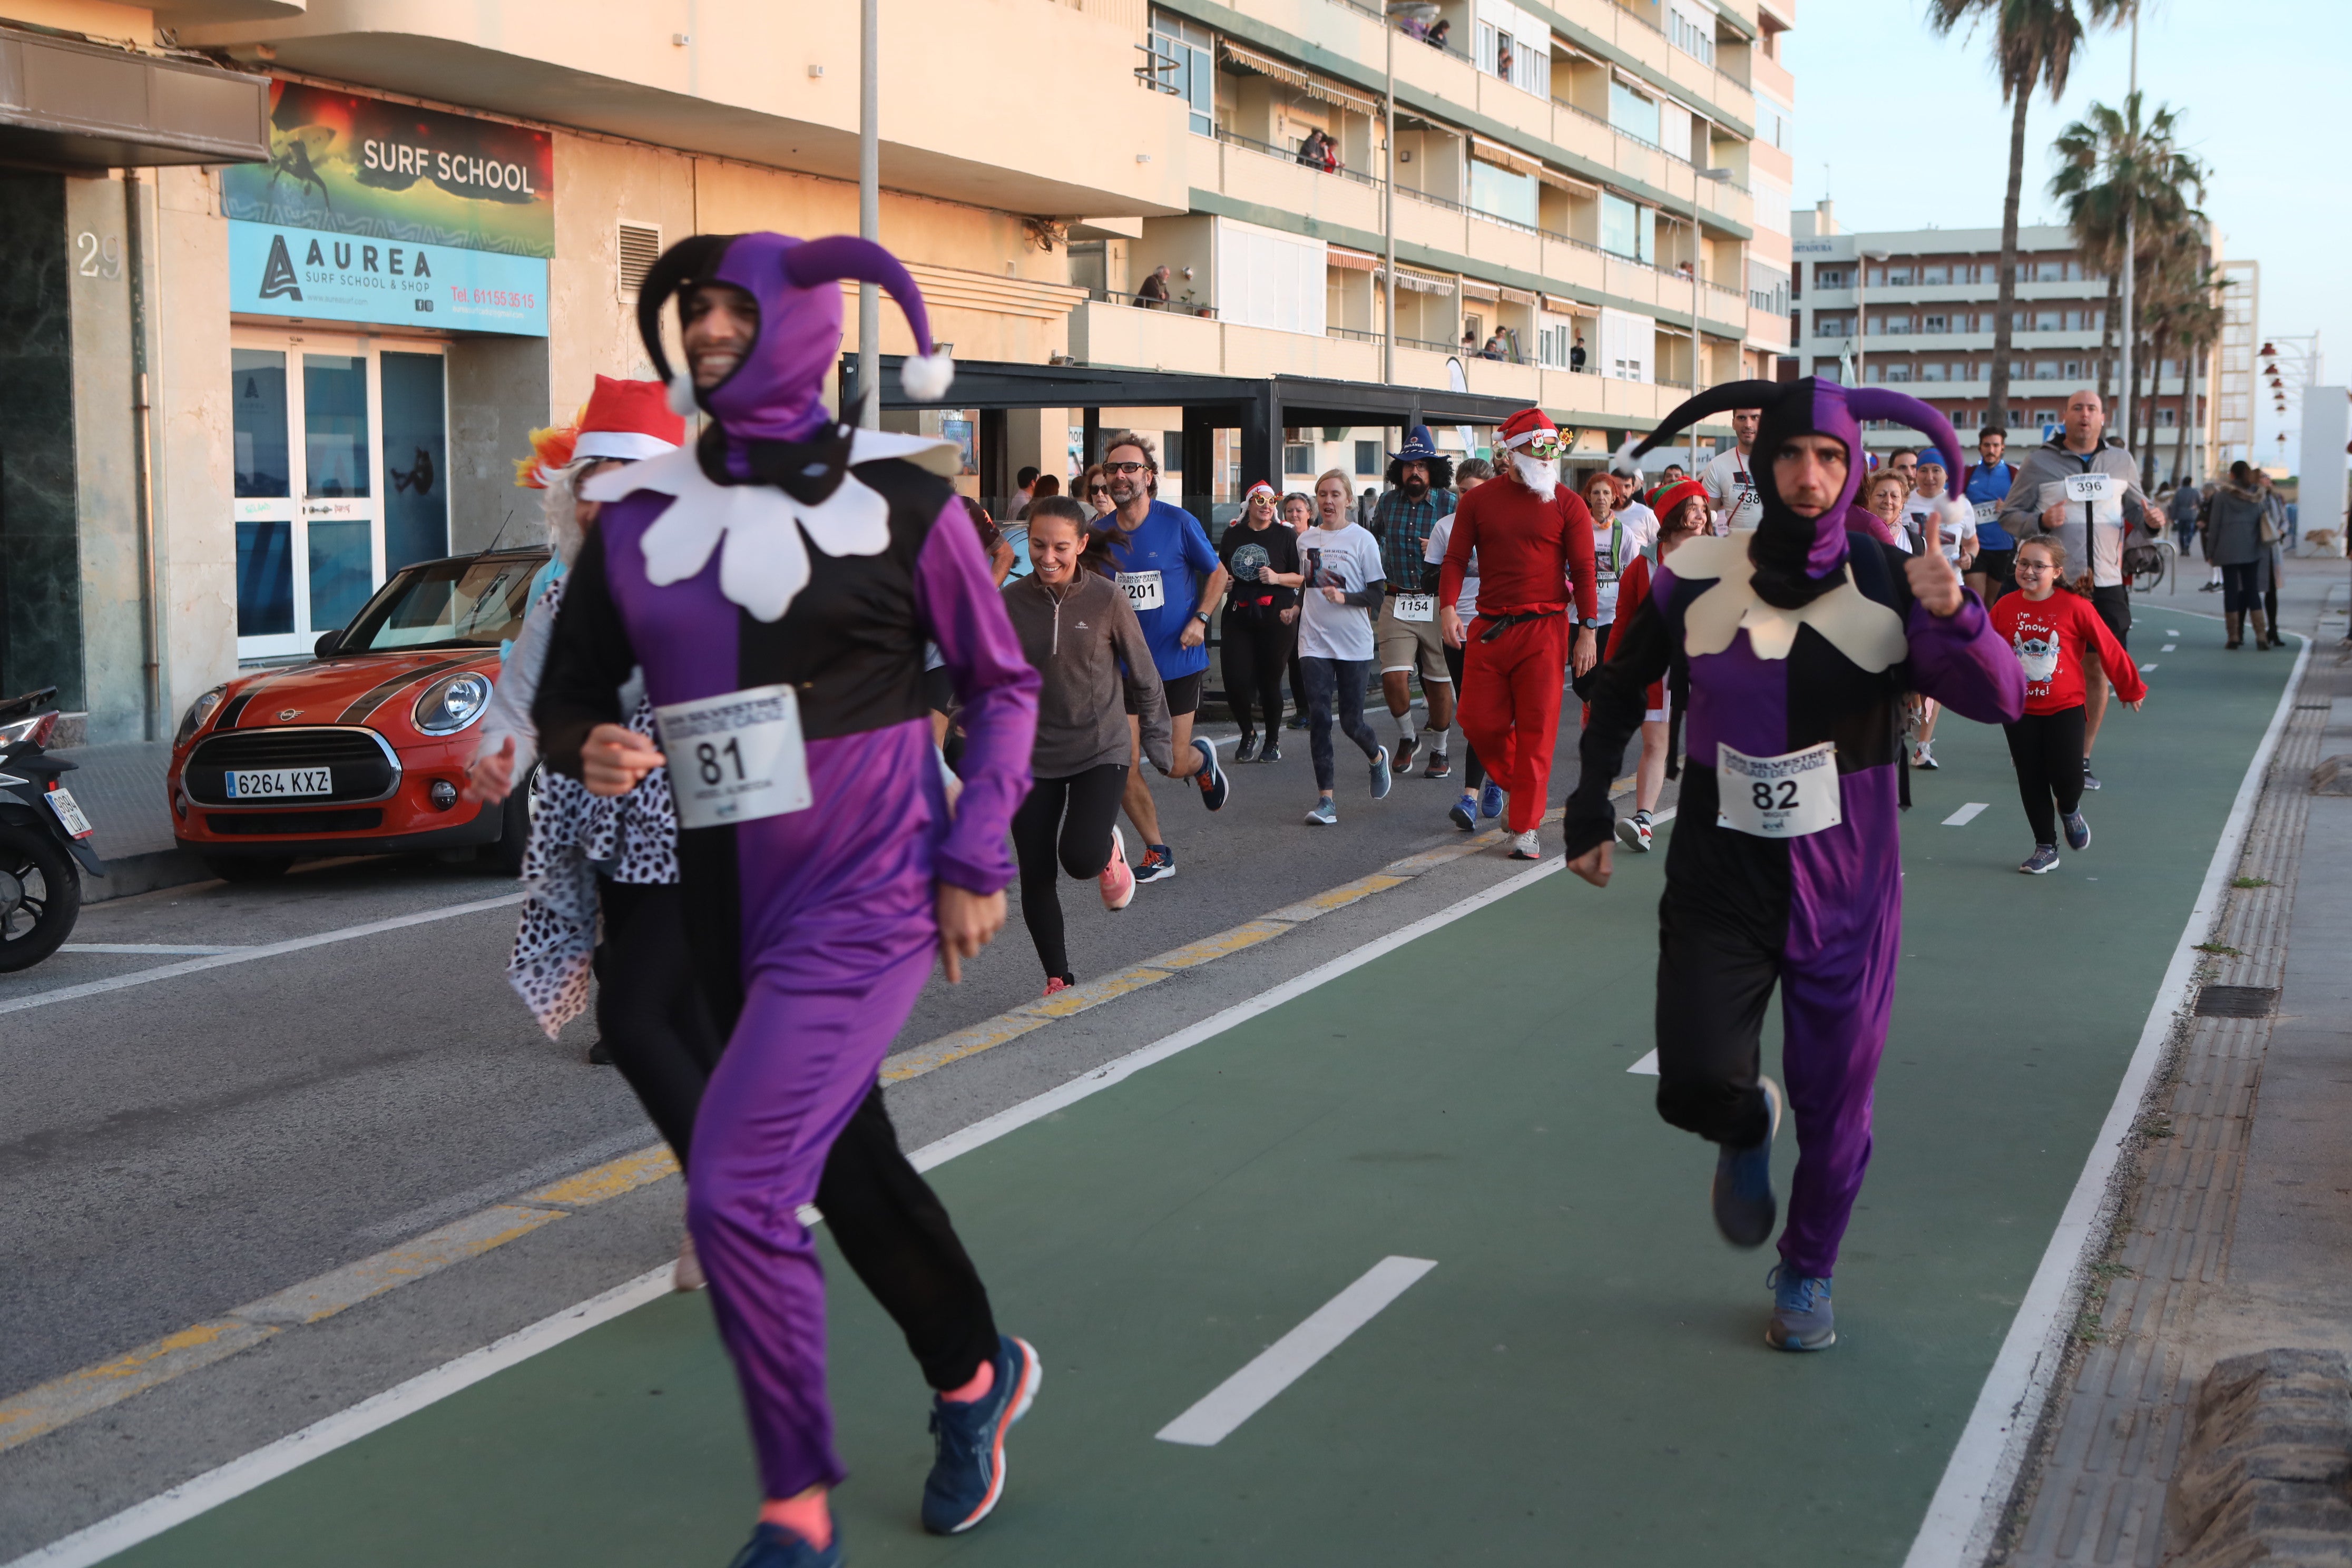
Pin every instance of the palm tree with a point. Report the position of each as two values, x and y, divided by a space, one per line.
2182 315
2118 175
2034 47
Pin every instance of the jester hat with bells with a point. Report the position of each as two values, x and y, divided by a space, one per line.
1798 559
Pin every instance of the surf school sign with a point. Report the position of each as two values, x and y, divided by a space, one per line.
312 275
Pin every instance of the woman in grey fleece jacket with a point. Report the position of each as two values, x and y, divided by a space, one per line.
2233 542
1079 631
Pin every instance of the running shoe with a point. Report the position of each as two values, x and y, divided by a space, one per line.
1464 814
2044 856
1490 800
1215 785
1158 864
600 1055
1745 1207
1923 759
1381 775
1298 721
1246 749
1118 880
2090 779
773 1546
1525 847
1439 766
1058 983
968 1477
1401 755
1634 834
1324 813
1802 1318
2078 832
686 1273
1272 752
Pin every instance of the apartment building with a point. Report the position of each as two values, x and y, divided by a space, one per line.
1918 308
288 281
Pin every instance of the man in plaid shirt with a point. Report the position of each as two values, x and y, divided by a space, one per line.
1421 490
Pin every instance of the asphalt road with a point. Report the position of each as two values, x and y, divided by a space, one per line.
175 1148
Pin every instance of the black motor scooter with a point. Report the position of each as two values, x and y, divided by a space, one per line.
42 833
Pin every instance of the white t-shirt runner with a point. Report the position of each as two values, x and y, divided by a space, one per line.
1731 491
1441 535
1615 544
1348 558
1920 513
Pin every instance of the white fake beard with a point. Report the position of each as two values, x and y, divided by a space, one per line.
1539 475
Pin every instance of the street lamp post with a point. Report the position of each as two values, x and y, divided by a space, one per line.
1390 10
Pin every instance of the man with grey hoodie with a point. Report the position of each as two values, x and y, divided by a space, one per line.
2086 494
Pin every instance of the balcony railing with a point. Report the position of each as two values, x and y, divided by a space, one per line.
1291 155
1127 300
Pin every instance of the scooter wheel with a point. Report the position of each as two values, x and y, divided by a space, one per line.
40 897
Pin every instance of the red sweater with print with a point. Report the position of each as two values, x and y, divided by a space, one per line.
2051 639
1529 549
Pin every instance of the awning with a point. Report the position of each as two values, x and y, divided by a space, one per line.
1352 260
1474 290
1570 182
1560 305
1519 296
1502 157
1419 282
1313 87
63 101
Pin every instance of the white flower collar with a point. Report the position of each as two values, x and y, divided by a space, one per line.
1865 631
765 563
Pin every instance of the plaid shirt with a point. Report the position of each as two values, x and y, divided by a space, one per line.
1402 528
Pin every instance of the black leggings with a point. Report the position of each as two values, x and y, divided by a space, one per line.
1255 648
2047 749
884 1219
1336 683
1474 772
2242 587
1064 825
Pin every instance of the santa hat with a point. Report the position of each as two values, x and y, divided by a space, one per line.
1666 500
629 420
1524 427
1251 494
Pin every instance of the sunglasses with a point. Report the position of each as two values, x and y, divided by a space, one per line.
1125 467
1543 449
1098 489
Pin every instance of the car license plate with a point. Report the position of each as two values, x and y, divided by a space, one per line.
265 784
61 801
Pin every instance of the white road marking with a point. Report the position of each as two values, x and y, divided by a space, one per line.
2168 647
1966 814
2146 667
1288 1359
2173 633
248 955
1962 1515
1647 1066
147 947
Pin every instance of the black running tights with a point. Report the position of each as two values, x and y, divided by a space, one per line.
1064 825
885 1219
1255 648
2047 749
1474 772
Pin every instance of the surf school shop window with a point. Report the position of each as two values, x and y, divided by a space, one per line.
341 464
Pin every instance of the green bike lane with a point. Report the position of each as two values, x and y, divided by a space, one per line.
1580 1377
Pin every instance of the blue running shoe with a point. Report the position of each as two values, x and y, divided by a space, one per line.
1743 1205
2044 858
1381 777
1324 815
773 1546
1801 1318
1215 785
1490 800
1464 814
968 1477
2078 832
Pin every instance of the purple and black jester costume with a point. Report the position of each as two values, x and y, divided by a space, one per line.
1807 635
782 548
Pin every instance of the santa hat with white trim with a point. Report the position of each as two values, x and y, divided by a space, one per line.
1523 428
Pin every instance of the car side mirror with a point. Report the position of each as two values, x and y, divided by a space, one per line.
326 644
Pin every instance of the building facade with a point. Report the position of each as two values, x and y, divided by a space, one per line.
292 300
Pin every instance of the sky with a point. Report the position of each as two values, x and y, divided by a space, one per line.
1914 135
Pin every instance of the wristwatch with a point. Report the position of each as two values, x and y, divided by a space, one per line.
1589 623
1202 617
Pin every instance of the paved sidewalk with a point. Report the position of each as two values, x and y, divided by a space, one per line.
120 787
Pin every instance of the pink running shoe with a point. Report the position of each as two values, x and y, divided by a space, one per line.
1117 882
1056 984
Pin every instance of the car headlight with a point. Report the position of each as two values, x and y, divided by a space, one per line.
198 713
453 703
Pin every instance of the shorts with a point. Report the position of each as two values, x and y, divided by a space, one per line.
2114 605
1996 565
1182 692
1409 645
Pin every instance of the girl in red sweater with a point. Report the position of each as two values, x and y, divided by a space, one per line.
2052 632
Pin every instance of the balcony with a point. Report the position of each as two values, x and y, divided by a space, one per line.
1102 332
1253 171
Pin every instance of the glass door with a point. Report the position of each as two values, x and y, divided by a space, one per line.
341 477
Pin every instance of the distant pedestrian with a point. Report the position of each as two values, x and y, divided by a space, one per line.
2235 543
1153 295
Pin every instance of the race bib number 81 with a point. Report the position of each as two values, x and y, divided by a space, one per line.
735 758
1786 797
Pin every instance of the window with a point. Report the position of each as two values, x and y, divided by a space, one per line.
1932 371
1691 30
1897 326
2046 417
1503 193
1556 343
1773 126
2017 419
1172 451
2095 321
1878 277
1626 229
1831 277
1770 204
1298 459
1633 114
1368 457
1832 326
2167 418
1936 275
1936 324
2050 320
1898 277
1181 64
2074 371
1898 372
1767 289
2046 370
2017 369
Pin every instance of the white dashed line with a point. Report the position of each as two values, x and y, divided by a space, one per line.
1647 1066
1966 814
2168 647
2146 667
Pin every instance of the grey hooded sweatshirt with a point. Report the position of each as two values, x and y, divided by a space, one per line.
1084 640
2041 480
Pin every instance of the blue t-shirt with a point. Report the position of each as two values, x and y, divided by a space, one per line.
1168 559
1992 484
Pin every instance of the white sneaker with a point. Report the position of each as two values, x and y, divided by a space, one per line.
1635 833
1525 847
688 1275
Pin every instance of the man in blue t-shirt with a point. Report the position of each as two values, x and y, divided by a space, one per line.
1162 559
1987 487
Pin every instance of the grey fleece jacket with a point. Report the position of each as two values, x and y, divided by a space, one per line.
1086 643
2234 531
2041 479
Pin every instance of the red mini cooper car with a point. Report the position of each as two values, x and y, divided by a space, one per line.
363 749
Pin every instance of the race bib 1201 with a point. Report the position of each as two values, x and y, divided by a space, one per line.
1142 590
1416 607
735 758
1779 797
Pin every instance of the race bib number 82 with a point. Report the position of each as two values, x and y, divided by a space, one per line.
1786 797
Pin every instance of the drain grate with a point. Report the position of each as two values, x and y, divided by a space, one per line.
2237 1001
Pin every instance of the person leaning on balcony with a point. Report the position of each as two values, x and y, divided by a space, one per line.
1576 355
1493 349
1153 295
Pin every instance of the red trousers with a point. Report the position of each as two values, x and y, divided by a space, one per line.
1509 707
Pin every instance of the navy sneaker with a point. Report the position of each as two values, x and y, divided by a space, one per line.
1743 1205
1464 814
2044 856
1215 785
1801 1318
2090 779
2078 832
1382 776
1490 800
1271 752
773 1546
968 1477
1158 865
1246 750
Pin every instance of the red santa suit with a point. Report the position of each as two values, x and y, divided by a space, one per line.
1530 548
